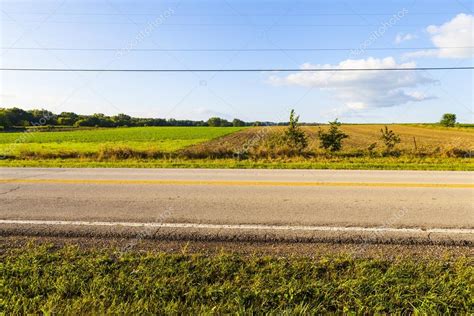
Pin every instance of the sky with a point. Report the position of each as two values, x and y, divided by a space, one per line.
413 33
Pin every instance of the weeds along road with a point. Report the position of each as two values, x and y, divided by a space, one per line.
208 204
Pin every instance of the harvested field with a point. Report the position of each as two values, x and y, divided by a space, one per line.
258 142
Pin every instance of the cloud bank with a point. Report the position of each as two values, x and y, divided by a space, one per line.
458 32
361 90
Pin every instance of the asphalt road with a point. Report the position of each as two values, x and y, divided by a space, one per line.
235 203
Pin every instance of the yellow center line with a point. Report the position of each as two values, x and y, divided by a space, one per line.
238 183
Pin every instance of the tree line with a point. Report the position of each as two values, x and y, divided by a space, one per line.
11 118
15 117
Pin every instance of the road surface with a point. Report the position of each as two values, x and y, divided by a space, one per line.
233 204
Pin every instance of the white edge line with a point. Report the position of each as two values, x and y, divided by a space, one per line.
245 227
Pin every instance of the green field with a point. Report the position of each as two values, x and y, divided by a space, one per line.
89 142
41 279
132 134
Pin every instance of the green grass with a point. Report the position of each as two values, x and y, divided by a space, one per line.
164 139
132 134
355 163
40 279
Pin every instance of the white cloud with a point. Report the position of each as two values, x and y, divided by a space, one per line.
360 90
404 37
459 32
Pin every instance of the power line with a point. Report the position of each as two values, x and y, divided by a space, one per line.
229 15
237 70
218 24
229 49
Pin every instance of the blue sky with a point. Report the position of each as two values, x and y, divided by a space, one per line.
186 24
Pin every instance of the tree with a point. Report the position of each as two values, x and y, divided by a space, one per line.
67 118
390 139
4 121
448 120
18 117
295 137
332 139
41 117
218 122
122 120
214 121
237 123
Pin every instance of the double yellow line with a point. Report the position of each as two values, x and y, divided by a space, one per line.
238 183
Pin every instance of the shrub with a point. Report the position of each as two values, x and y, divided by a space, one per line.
124 152
332 139
371 149
390 139
448 120
294 137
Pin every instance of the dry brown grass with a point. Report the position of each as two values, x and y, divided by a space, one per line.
235 145
264 142
361 136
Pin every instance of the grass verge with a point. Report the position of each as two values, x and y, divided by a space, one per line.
42 279
353 163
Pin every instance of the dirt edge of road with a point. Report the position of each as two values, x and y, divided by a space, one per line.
279 249
242 235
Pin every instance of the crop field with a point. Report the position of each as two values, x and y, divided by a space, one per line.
421 147
89 142
426 138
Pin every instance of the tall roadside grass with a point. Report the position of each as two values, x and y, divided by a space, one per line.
41 279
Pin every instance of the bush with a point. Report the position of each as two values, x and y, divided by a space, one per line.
294 137
332 139
124 152
390 139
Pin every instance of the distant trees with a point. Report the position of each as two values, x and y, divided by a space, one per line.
96 120
18 117
238 123
122 120
15 117
67 118
218 122
448 120
4 121
332 139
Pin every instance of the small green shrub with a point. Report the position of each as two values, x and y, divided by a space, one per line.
390 139
125 152
295 137
332 139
